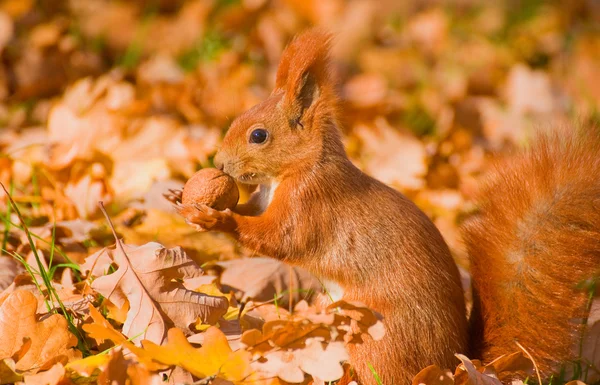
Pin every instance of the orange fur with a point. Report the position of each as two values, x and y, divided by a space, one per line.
535 239
317 210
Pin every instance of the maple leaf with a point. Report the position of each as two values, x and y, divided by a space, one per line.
50 339
146 277
214 358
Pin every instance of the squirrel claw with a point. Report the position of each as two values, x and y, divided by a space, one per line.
174 196
204 218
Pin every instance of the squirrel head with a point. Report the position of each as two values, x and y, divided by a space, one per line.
288 131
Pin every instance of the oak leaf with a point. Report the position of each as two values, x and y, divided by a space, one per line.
263 279
51 342
321 363
8 372
214 358
146 277
52 376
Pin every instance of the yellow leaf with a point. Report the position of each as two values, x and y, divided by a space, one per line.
215 357
89 366
101 330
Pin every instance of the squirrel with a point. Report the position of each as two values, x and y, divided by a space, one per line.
535 238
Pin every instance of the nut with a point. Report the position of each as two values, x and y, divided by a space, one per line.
213 188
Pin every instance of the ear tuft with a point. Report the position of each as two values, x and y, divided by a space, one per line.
304 71
309 51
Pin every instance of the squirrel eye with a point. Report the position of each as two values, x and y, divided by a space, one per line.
258 136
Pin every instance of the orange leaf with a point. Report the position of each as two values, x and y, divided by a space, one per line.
51 341
214 358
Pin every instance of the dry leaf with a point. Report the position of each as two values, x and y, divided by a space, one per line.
467 374
392 156
263 279
146 278
6 30
433 375
52 376
9 269
215 357
51 342
314 355
8 372
528 91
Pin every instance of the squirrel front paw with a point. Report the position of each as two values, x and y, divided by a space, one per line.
174 196
204 218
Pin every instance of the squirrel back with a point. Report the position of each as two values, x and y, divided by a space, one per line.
534 248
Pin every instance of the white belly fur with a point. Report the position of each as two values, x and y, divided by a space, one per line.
333 289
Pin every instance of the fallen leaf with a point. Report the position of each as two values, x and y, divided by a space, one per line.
52 376
528 91
146 277
514 362
314 355
6 30
8 373
214 358
51 342
392 156
433 375
9 269
263 279
467 374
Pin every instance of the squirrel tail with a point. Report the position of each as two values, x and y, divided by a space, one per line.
534 248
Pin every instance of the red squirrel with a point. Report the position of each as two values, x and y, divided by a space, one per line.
537 234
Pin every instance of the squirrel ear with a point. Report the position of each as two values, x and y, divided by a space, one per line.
303 73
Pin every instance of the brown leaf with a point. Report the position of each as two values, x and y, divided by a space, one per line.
9 269
51 342
467 374
433 375
146 277
6 30
512 363
263 279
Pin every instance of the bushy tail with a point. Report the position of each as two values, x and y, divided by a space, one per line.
534 247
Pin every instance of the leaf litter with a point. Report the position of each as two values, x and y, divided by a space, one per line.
121 101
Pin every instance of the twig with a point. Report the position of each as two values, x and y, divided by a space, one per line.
537 371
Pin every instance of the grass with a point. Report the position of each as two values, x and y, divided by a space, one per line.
207 49
51 297
375 375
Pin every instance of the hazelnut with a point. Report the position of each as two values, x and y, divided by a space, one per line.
213 188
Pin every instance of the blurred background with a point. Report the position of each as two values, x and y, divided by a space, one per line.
119 100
